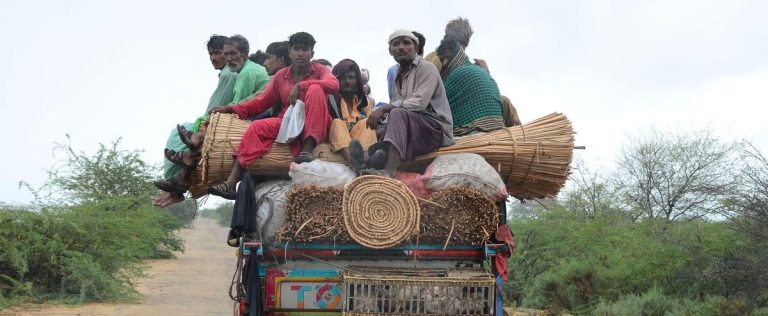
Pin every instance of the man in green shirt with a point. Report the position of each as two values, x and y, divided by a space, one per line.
251 77
239 78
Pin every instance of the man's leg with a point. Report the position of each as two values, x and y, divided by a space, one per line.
393 161
256 142
316 122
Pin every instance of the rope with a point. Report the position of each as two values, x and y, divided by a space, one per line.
379 212
514 153
535 158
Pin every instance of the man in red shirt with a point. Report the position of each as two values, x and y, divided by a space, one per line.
303 80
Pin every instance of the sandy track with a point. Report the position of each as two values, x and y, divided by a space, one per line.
197 283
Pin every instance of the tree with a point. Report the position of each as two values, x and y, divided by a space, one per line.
110 173
591 192
675 176
750 204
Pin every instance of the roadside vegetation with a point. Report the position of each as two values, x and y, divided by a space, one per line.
676 227
94 228
222 213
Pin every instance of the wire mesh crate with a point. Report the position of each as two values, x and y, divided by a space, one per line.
397 291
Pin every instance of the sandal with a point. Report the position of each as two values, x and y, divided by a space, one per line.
171 185
356 155
378 159
222 190
177 157
186 137
303 157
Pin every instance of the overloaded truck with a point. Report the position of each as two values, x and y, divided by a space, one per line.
432 241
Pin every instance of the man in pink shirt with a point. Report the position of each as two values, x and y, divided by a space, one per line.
303 80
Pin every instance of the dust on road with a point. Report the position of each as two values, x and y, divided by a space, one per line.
197 283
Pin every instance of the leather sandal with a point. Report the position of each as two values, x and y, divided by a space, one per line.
171 185
186 137
223 190
378 159
177 157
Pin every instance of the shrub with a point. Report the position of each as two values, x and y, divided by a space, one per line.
221 213
95 227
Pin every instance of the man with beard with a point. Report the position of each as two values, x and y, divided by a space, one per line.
348 134
250 78
303 80
419 118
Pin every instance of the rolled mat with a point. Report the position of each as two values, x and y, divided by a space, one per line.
533 159
379 212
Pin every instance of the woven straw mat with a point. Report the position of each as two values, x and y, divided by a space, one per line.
379 212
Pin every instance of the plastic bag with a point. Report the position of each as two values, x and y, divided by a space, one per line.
270 203
292 124
320 173
414 182
465 170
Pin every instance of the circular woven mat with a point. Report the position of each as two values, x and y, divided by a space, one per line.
379 212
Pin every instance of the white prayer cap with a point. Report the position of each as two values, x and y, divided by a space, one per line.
401 33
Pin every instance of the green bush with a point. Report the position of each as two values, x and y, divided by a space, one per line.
655 303
185 211
83 253
95 228
571 261
652 303
569 287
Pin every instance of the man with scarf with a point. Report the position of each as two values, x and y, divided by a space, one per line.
474 97
419 120
348 133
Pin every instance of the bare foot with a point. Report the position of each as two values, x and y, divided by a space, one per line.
165 199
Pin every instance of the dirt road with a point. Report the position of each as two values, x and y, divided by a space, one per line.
197 283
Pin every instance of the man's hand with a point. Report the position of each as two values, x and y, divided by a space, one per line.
373 119
482 64
294 94
221 109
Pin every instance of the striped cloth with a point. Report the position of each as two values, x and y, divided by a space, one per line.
474 98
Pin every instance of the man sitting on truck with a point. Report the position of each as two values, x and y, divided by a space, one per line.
420 119
242 78
472 93
303 80
222 95
349 135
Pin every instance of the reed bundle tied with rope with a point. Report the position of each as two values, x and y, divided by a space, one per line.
222 137
533 159
379 212
458 216
313 214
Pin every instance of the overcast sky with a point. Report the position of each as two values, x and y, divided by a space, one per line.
99 70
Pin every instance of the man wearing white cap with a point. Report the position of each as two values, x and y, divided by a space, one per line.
419 120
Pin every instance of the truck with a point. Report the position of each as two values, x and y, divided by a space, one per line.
284 278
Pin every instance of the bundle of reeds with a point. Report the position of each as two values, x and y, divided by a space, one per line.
313 214
458 216
222 137
533 159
